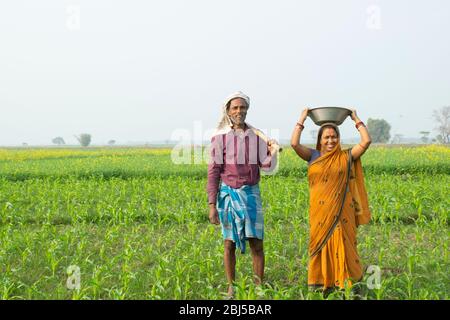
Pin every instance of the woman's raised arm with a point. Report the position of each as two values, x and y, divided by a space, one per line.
302 151
359 149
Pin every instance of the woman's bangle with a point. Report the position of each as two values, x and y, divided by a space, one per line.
300 125
359 124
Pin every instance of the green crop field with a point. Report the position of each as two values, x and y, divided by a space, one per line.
134 226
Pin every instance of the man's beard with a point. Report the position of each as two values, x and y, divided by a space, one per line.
236 121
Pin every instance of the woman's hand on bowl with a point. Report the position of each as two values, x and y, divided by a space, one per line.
303 115
353 115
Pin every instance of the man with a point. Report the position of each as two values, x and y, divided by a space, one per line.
237 154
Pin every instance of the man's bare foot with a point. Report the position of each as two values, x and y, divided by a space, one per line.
230 294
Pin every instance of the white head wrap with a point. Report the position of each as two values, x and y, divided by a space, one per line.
225 124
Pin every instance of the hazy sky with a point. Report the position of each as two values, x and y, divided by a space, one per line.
138 70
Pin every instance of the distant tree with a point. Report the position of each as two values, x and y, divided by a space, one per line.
442 117
24 144
397 139
112 142
58 141
379 130
84 139
424 137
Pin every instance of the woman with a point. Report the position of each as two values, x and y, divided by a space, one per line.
335 209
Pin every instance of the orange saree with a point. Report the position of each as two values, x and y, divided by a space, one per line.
333 252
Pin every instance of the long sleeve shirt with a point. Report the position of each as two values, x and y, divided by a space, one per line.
236 159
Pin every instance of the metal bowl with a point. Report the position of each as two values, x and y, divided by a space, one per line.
336 115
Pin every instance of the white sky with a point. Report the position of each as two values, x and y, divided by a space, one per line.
138 70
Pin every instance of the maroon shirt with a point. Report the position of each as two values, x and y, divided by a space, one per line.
236 159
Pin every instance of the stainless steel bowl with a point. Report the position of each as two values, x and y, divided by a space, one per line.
336 115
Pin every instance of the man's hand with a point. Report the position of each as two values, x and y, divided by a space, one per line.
213 214
274 147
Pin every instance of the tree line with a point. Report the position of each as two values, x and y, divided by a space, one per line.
379 129
84 139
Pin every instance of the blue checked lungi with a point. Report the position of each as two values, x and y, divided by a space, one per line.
240 214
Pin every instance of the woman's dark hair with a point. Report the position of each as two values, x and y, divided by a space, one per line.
322 128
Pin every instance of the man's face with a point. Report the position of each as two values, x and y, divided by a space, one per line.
237 111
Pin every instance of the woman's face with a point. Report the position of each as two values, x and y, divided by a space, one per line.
328 140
